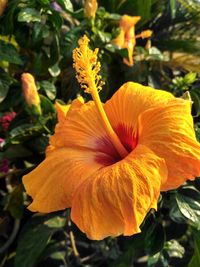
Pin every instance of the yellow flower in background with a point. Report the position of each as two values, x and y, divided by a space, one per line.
3 4
30 92
90 8
127 38
109 162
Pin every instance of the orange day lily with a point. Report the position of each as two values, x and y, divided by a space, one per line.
109 162
127 39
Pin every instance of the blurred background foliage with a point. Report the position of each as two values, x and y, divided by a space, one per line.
38 36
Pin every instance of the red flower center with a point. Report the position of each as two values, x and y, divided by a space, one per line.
109 154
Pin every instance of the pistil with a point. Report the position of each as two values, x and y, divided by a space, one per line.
87 68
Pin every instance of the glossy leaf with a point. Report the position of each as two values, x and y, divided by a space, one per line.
35 237
9 53
49 89
195 261
186 208
29 15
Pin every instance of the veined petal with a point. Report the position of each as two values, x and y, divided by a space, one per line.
83 128
60 138
128 22
130 47
168 131
120 39
53 182
62 111
125 106
115 199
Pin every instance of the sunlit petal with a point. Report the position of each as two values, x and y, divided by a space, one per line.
168 131
116 199
53 182
124 108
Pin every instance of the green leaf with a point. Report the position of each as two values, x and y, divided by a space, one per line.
190 78
5 82
29 15
44 2
104 36
54 70
24 130
38 144
155 53
183 45
195 261
56 20
49 89
15 202
9 53
154 239
196 102
40 31
174 249
35 237
141 8
145 13
185 207
56 251
15 151
173 8
46 105
66 4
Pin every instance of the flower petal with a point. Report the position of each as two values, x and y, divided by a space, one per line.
60 137
83 129
62 111
115 199
124 108
130 101
168 131
53 182
128 22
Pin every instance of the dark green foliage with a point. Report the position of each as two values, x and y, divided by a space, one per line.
40 40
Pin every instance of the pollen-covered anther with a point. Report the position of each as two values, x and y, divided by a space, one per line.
87 66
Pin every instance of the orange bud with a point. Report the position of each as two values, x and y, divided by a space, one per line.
29 90
90 8
146 34
3 4
148 44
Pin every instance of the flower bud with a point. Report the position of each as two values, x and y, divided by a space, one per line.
3 4
90 8
30 93
146 34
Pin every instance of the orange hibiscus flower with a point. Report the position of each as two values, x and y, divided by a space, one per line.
109 162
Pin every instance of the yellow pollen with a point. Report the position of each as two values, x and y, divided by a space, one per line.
87 67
